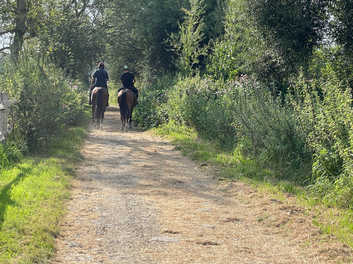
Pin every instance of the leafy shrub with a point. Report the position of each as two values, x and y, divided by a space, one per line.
323 107
44 100
269 131
9 154
200 103
152 95
241 113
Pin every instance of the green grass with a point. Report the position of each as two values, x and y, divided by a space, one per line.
234 166
231 165
32 197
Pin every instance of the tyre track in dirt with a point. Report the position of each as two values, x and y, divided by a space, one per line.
138 200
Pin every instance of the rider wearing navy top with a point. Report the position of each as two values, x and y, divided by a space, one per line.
100 79
101 76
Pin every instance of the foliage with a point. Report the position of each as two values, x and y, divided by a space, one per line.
152 96
72 41
233 53
341 24
9 154
187 43
293 28
326 116
269 132
275 90
243 50
197 102
44 101
137 36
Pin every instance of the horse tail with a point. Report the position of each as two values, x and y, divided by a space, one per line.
124 109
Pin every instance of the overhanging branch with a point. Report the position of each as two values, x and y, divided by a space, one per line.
6 32
83 9
4 48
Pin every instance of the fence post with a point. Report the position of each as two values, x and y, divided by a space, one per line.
4 113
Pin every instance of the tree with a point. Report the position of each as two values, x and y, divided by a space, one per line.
187 43
137 32
13 21
293 28
342 24
72 37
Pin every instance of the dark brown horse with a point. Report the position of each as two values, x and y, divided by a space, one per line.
99 99
127 101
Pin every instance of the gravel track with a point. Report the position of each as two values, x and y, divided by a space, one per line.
138 200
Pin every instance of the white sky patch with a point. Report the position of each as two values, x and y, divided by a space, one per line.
5 41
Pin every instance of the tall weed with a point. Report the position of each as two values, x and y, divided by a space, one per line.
324 109
269 131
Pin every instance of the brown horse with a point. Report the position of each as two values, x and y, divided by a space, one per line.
127 101
99 99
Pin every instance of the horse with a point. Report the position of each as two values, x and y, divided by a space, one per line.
127 101
99 100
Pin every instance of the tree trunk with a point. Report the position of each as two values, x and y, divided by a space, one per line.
20 29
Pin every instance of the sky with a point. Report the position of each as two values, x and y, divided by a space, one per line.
4 40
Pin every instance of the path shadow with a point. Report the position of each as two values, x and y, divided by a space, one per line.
5 193
136 161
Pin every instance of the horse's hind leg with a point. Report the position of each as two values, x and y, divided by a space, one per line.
122 123
130 121
102 118
98 116
130 117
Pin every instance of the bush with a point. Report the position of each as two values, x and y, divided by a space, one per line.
44 100
200 103
243 113
323 107
240 113
270 132
9 154
152 95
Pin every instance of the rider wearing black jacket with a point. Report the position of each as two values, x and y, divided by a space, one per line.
100 79
128 79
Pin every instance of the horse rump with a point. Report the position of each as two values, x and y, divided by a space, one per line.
99 104
124 108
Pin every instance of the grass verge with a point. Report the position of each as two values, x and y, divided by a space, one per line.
234 166
32 197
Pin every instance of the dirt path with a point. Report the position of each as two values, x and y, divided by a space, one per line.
138 200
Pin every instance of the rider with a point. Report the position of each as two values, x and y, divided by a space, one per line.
100 79
128 80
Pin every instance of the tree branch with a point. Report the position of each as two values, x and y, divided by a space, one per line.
4 48
6 31
83 9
